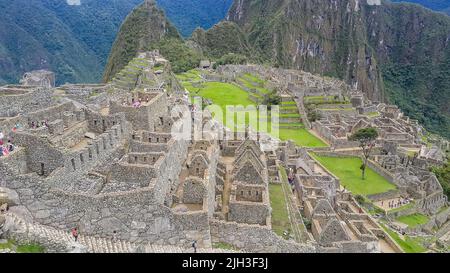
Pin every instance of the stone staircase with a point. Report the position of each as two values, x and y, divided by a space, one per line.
56 240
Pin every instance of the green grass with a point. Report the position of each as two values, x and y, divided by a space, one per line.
253 82
27 248
223 245
408 206
223 94
8 245
32 248
373 114
409 245
253 78
301 137
280 216
290 115
289 103
191 75
413 220
347 169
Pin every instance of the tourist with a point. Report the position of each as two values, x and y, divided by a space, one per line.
10 146
75 234
194 245
5 151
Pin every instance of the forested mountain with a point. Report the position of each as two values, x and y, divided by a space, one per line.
75 40
437 5
394 52
72 40
187 15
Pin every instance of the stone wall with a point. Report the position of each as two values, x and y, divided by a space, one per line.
254 238
24 101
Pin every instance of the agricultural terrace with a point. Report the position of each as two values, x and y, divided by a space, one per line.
223 94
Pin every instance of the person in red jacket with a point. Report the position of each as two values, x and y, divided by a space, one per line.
75 234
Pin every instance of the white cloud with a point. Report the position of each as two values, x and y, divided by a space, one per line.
374 2
73 2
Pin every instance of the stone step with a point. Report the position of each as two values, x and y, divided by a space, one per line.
96 244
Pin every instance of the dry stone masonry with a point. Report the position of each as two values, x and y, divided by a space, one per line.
103 158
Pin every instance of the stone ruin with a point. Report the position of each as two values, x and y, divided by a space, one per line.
42 78
103 158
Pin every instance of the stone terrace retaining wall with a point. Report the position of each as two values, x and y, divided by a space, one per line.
254 238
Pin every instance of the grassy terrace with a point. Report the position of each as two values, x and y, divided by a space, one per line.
413 220
323 100
408 244
253 82
280 216
347 169
223 94
225 246
30 248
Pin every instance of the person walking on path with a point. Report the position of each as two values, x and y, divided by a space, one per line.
194 245
75 234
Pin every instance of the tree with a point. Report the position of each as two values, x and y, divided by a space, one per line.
366 138
271 99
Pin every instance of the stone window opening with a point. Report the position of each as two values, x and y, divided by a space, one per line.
95 122
242 193
90 154
145 159
81 158
150 139
96 149
42 172
157 139
135 159
161 120
73 164
133 136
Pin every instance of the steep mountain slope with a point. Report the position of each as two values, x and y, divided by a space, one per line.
145 27
394 52
187 15
437 5
73 41
212 45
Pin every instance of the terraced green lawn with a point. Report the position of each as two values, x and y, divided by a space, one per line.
301 137
280 215
408 244
413 220
253 82
223 94
28 248
347 169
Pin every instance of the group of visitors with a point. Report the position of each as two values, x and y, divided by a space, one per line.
135 103
6 147
398 203
39 124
